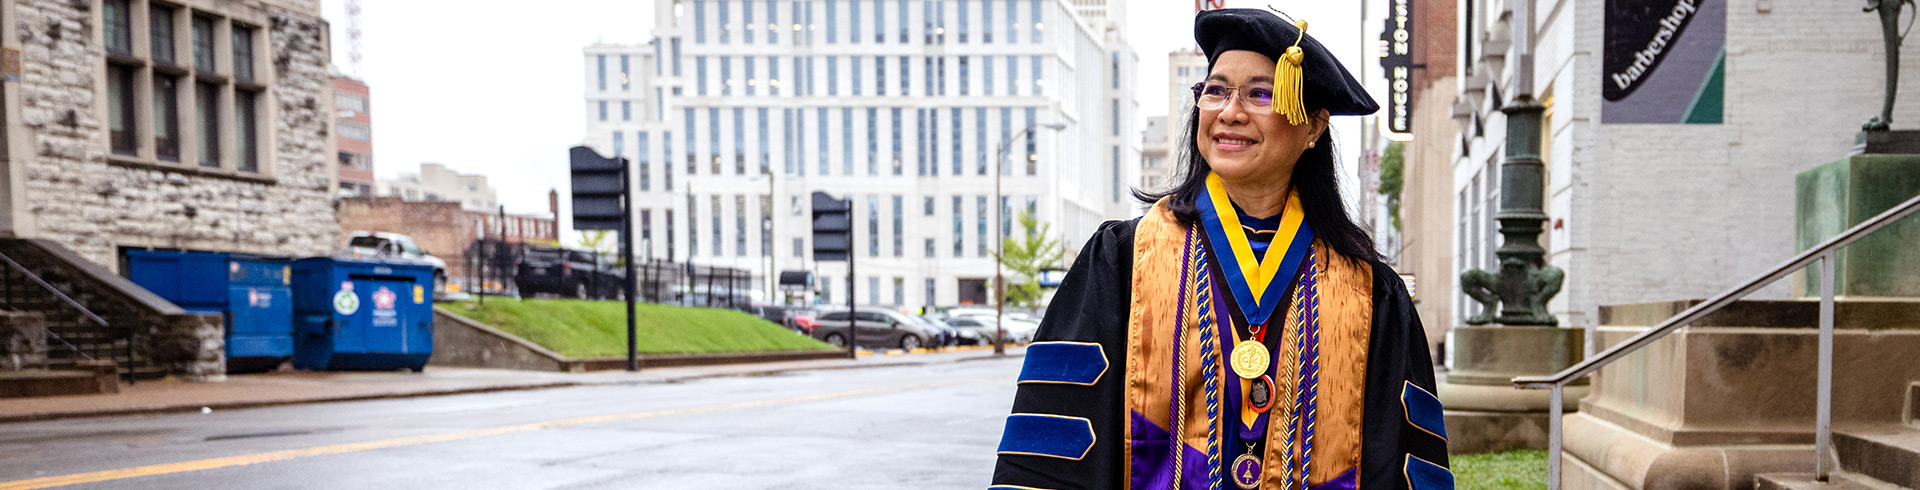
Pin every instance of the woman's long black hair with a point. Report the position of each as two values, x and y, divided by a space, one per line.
1313 177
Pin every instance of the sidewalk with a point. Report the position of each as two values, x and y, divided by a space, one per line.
260 390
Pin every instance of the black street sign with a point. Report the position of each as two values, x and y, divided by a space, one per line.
832 228
598 186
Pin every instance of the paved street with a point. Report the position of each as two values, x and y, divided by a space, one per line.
926 426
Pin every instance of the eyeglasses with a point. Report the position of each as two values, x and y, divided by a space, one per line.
1213 95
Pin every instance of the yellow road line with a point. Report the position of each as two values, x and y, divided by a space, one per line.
289 454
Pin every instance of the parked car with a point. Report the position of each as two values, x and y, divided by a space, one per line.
878 328
779 315
569 273
383 245
803 321
961 335
1020 327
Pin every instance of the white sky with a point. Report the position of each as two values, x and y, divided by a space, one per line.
498 91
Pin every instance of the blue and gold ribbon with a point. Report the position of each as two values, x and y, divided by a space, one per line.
1257 284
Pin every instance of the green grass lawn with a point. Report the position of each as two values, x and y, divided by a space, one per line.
584 329
1525 469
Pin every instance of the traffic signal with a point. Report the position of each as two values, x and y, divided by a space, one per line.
832 228
599 187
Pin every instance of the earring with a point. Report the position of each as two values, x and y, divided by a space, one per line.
1310 144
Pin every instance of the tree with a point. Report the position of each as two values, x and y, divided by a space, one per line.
602 241
1393 166
1026 257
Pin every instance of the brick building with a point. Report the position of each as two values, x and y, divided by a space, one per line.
355 136
195 124
443 228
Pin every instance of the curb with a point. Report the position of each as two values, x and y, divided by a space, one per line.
240 405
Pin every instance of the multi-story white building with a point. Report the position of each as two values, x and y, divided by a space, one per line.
738 110
436 182
1184 68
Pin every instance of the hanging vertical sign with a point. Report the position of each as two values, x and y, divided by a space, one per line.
1663 61
1205 5
1396 63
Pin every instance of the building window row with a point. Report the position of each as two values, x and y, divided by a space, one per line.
939 135
150 89
933 16
863 78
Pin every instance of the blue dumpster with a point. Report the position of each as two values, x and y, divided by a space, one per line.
251 292
358 315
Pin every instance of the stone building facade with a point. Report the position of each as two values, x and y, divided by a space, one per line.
1663 211
106 148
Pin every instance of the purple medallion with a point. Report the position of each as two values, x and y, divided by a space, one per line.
1246 471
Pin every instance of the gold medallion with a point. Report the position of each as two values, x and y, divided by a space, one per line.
1249 359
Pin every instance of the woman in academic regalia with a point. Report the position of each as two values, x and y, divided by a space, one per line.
1243 333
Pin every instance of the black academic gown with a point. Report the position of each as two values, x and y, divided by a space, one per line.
1092 306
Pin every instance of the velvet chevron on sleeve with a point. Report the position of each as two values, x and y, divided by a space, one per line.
1066 426
1403 435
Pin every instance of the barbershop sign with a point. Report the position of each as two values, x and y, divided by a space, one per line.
1662 61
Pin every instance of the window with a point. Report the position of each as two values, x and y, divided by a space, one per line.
726 70
626 110
926 21
726 24
700 75
940 21
920 130
826 295
1033 155
619 149
926 206
904 85
713 140
833 22
799 247
739 141
1013 22
600 71
1013 75
1116 173
1006 221
903 25
203 44
751 82
676 66
786 138
773 21
746 19
964 82
719 247
873 293
833 73
928 72
666 161
929 251
350 102
846 141
603 110
955 112
941 82
853 21
980 139
959 229
963 21
980 222
658 59
880 21
873 141
1006 136
739 225
896 141
166 117
986 21
899 239
773 73
899 291
873 226
1037 25
933 142
1113 114
766 227
1039 81
645 157
1115 74
207 98
856 73
826 165
986 71
879 75
118 18
700 21
765 158
160 20
120 109
692 165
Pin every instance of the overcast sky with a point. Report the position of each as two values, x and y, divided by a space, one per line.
498 91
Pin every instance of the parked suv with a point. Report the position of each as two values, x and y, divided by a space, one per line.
380 244
569 273
877 328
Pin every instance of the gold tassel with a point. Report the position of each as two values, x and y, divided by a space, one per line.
1289 96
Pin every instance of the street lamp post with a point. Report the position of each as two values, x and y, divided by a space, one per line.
1000 242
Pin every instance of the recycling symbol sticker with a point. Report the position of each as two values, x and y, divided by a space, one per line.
345 302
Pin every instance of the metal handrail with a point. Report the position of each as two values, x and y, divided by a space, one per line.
1824 253
77 307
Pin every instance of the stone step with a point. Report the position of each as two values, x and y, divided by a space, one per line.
95 378
1889 453
1840 480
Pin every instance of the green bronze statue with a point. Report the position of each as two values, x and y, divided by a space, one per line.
1517 294
1891 36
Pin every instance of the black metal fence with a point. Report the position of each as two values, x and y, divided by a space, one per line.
491 266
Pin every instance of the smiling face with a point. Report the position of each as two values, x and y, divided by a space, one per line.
1251 145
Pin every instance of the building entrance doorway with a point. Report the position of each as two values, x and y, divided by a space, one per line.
973 291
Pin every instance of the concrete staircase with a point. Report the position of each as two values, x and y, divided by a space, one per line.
104 318
1869 458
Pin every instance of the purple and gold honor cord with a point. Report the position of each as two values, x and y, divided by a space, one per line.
1209 363
1305 349
1179 445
